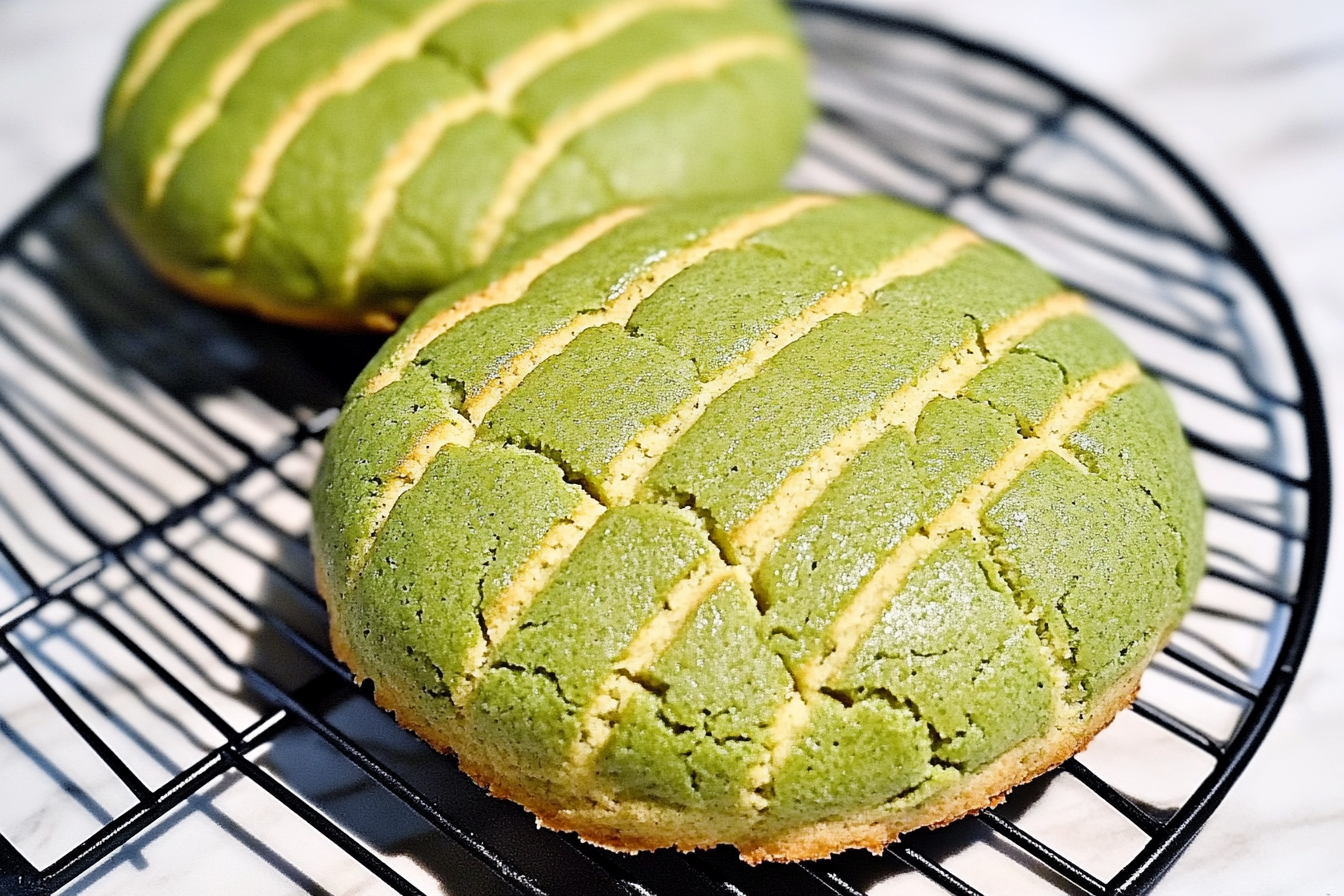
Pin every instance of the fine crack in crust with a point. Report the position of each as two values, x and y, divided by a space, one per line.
629 824
648 644
527 168
528 581
634 825
505 289
351 74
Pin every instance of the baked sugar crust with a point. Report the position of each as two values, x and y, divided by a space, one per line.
635 825
236 297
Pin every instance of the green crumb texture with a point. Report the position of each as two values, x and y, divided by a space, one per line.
852 755
688 579
695 729
585 403
331 162
418 600
955 647
580 624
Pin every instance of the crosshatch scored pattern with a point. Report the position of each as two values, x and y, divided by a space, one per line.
164 650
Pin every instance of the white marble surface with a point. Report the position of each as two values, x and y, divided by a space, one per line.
1251 93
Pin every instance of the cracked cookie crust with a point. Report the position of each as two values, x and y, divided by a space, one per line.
330 162
793 522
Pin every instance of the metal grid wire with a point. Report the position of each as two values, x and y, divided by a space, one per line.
169 707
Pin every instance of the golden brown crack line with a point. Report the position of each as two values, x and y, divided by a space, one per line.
350 75
156 47
198 119
751 542
408 472
503 83
597 720
620 307
508 288
529 580
961 514
550 140
628 469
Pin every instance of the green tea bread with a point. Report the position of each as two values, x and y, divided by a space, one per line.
792 523
330 162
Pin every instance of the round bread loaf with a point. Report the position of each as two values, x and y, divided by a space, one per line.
792 523
330 162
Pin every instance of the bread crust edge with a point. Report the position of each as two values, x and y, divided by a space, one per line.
238 297
632 826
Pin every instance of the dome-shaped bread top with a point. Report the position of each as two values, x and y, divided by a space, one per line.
332 161
792 523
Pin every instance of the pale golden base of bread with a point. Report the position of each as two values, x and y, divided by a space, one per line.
237 297
633 825
318 317
982 789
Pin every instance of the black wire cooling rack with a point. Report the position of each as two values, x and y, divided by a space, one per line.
171 716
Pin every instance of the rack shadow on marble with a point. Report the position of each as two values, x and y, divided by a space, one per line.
160 614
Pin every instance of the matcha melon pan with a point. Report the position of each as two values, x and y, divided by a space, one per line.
793 522
330 162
